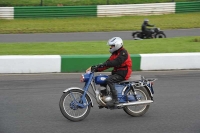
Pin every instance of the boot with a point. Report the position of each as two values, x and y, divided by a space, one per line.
114 100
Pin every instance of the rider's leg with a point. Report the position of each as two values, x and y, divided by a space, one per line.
110 82
149 34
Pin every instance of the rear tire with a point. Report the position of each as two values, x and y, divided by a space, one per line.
137 35
138 110
68 106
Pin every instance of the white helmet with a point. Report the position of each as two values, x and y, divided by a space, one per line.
117 42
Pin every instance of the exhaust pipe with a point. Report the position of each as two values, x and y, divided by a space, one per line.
146 102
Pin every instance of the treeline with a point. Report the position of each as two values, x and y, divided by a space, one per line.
12 3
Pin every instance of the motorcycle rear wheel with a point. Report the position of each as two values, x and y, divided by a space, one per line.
68 106
138 110
137 35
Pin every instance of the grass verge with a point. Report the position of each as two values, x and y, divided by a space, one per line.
167 45
92 24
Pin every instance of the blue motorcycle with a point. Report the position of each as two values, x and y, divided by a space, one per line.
134 95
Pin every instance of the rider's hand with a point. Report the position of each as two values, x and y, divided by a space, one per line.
92 68
95 67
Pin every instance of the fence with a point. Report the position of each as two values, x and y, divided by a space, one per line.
99 10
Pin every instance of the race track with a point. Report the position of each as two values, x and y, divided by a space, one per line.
87 36
30 104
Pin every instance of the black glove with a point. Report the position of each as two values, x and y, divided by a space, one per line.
94 68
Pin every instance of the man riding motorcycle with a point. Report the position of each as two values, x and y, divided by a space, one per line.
145 30
122 63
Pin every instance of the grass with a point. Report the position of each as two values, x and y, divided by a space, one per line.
166 45
78 2
89 24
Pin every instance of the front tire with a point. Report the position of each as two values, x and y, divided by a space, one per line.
160 35
138 110
68 106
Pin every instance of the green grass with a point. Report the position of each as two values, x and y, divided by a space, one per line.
167 45
89 24
78 2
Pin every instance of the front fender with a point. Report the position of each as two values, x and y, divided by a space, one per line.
77 88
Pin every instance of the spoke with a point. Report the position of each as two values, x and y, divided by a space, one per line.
138 108
76 112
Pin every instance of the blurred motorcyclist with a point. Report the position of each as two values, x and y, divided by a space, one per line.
122 63
145 30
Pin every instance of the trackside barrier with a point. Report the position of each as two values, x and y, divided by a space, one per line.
98 10
183 7
7 12
135 9
30 64
55 11
79 63
171 61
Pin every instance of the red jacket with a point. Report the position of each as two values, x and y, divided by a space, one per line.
121 61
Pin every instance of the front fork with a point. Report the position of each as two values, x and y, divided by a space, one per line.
77 103
80 103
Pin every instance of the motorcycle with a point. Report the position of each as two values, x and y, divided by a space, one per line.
155 33
134 95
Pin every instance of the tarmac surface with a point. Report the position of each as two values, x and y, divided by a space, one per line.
29 103
87 36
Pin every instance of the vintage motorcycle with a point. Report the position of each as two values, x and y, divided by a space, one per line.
134 95
155 33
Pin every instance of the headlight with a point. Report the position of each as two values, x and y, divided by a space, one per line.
84 77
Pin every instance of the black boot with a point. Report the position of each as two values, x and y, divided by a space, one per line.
114 100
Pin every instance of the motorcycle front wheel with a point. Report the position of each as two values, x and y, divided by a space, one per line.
69 107
160 35
138 110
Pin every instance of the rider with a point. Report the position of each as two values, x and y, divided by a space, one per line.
144 28
122 63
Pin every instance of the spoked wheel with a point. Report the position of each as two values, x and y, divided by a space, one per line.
69 105
161 35
138 110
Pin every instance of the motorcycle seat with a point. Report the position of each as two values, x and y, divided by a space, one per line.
132 78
